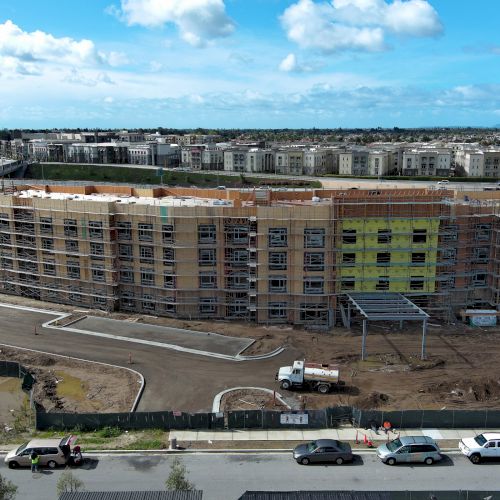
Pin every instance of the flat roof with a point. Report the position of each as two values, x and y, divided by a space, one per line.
386 307
169 201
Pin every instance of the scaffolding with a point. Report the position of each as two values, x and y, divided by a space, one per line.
286 257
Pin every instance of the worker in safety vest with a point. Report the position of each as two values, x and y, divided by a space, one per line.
35 459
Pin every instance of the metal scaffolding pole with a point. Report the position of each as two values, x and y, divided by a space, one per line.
363 342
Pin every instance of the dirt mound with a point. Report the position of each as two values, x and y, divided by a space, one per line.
483 390
250 399
372 401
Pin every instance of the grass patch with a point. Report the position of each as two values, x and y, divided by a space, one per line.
146 444
98 173
8 384
71 387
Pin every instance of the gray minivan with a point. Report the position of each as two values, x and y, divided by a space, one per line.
410 449
52 452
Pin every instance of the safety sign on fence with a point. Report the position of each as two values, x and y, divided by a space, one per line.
294 418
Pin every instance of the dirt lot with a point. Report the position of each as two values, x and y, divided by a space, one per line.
73 386
460 371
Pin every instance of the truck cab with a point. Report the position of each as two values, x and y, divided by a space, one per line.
291 375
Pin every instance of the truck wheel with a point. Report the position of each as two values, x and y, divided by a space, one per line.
475 458
51 464
323 388
285 384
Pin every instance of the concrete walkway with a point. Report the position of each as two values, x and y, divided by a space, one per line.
341 433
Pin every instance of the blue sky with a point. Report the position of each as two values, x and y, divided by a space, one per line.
249 63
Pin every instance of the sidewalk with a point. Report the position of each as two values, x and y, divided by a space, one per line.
341 433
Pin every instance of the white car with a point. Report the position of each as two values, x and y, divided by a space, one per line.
486 445
443 182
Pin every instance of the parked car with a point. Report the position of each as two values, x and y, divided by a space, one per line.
443 182
410 449
323 450
486 445
52 452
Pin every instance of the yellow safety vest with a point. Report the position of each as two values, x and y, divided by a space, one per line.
35 461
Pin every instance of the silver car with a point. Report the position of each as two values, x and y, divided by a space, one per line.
323 450
410 449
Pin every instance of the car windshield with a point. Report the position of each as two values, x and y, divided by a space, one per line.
394 445
21 448
480 440
311 446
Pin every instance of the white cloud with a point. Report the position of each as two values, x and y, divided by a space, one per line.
291 64
89 80
23 51
357 24
413 18
198 21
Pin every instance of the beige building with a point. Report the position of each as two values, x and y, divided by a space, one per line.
263 256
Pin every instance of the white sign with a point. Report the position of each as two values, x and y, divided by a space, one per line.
294 418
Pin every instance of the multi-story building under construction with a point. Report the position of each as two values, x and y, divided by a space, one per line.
257 255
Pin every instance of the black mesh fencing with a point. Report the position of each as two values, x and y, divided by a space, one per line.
266 419
12 369
428 419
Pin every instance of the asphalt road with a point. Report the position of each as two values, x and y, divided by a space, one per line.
220 344
174 380
227 476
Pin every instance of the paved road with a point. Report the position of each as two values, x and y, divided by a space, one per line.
175 381
227 476
202 341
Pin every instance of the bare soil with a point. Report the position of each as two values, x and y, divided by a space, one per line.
460 369
94 387
250 399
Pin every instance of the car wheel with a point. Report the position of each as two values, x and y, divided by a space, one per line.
339 461
51 464
13 465
429 461
285 384
390 461
305 461
475 458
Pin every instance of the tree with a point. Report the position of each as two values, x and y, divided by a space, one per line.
68 483
176 480
8 490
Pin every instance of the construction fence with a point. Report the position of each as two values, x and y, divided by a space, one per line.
14 369
266 419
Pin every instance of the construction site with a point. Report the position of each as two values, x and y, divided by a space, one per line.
267 257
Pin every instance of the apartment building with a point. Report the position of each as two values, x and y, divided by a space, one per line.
354 162
235 160
378 163
318 161
491 163
260 160
289 162
418 162
266 257
107 152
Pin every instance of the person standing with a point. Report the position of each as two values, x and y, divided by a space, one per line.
35 459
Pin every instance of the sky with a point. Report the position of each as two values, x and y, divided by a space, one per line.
249 63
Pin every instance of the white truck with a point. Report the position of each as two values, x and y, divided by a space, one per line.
316 376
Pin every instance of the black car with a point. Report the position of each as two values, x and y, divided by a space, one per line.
323 450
